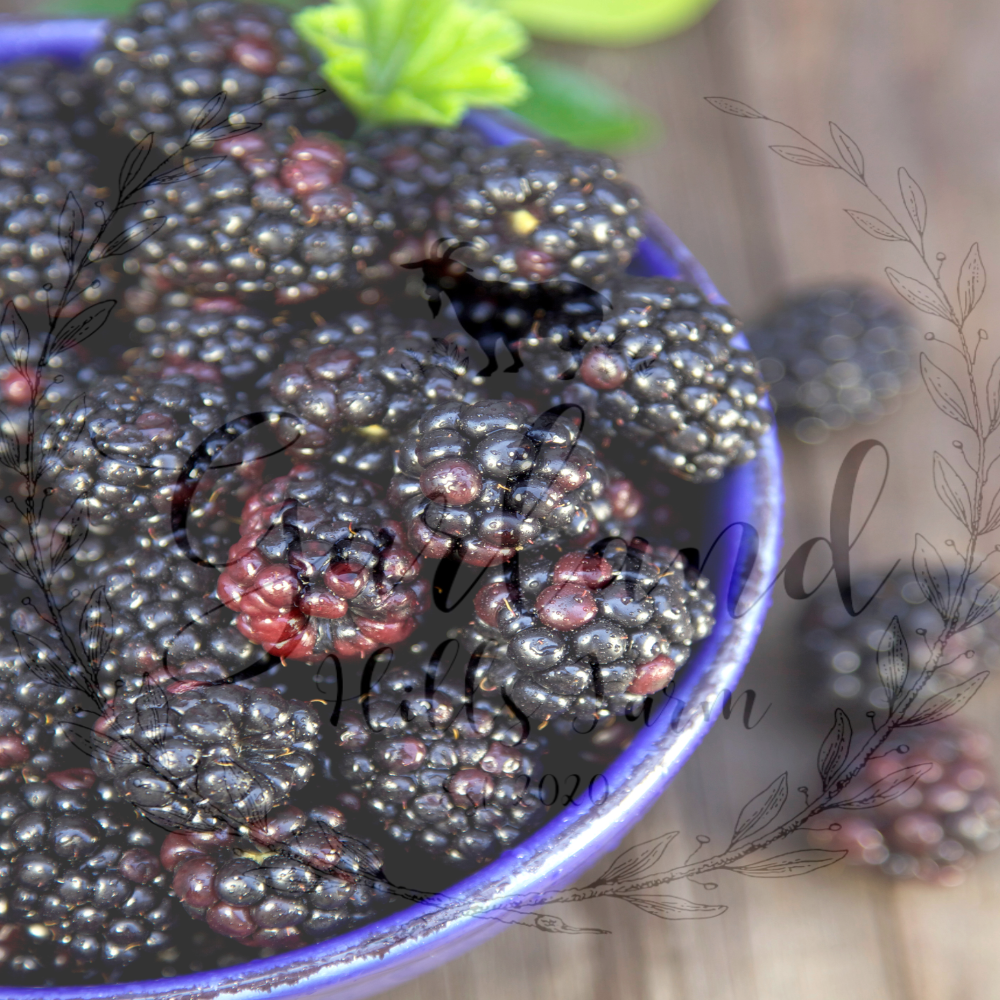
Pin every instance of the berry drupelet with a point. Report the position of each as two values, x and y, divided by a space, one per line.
122 451
321 570
294 216
834 357
936 830
487 477
159 69
661 370
361 381
196 756
444 775
544 211
592 633
293 878
78 877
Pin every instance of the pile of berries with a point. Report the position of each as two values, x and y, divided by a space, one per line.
259 472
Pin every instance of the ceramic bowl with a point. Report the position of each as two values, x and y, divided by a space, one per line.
388 952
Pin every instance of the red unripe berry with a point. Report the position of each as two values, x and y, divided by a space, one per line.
320 604
653 676
566 606
626 500
255 55
13 751
591 570
489 601
279 586
230 921
451 481
470 788
193 882
601 369
346 580
73 779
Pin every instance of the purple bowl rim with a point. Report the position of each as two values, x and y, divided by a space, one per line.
753 488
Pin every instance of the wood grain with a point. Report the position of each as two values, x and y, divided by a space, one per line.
913 83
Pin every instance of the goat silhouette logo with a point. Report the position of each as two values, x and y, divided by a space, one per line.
499 312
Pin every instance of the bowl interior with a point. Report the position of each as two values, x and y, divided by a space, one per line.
386 952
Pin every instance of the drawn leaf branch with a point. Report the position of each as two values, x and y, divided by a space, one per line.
732 107
835 747
70 227
993 395
945 392
875 227
887 788
947 702
850 151
632 863
790 864
761 809
951 488
893 661
919 295
985 604
804 157
932 575
971 281
673 907
913 200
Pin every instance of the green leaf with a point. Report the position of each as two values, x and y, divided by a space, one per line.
580 109
599 22
424 61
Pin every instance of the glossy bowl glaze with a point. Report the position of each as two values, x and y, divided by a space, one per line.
388 952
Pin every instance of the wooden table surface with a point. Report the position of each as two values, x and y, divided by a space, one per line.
915 83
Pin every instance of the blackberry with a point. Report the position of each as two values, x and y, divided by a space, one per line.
835 356
937 829
543 211
295 216
195 756
591 633
842 667
164 615
121 452
293 878
361 381
486 477
40 163
78 877
661 371
444 775
218 340
159 69
321 570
